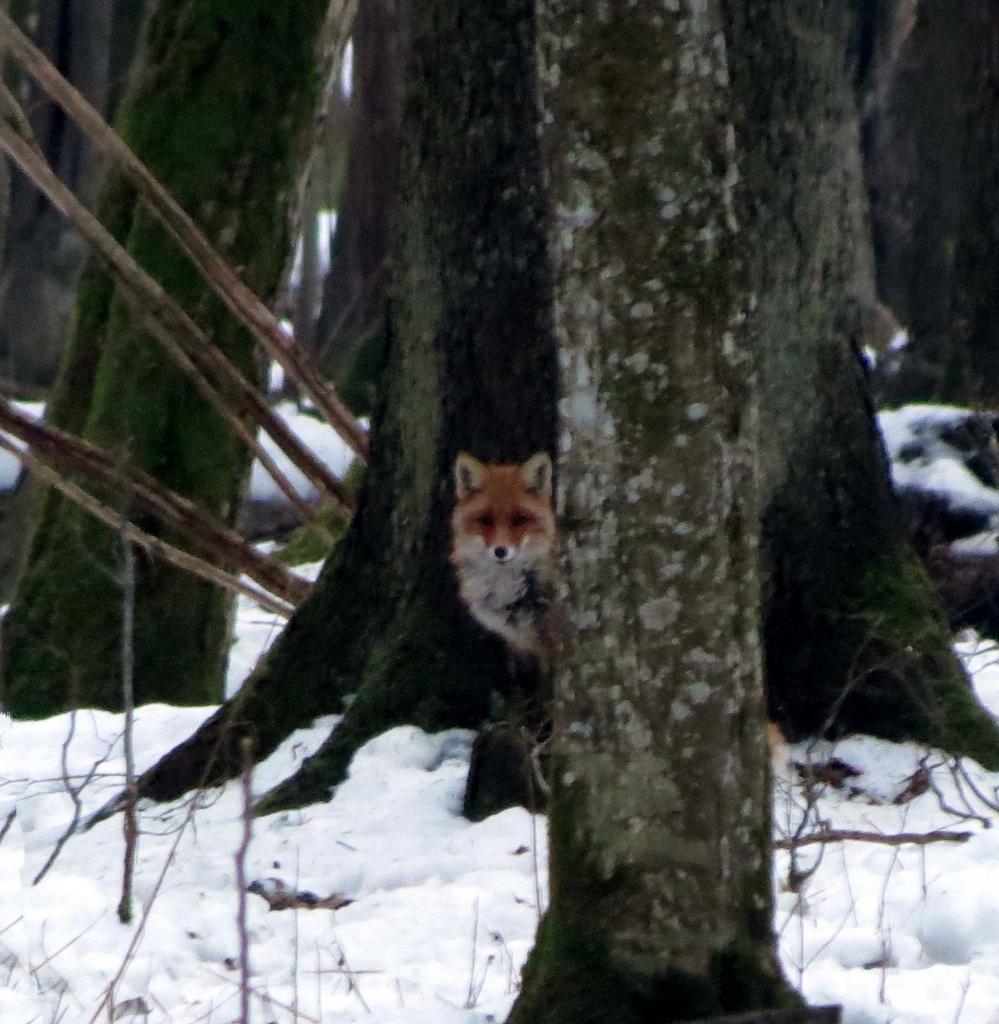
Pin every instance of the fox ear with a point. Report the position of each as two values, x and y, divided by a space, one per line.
468 474
537 474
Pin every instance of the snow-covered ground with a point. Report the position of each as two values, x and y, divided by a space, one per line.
443 911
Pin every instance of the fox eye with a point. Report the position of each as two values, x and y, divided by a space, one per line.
521 519
485 521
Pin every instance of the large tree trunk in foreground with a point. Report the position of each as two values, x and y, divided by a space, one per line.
661 893
855 639
932 167
223 94
470 365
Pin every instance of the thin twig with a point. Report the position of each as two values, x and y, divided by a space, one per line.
246 779
847 835
130 824
240 299
351 974
470 998
74 795
8 821
140 929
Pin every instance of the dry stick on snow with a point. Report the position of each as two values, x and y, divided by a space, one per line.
74 455
171 326
130 822
847 835
240 299
155 546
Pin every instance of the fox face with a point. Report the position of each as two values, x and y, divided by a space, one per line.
503 543
503 514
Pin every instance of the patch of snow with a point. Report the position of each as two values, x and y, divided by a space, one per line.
10 467
922 460
977 546
899 340
317 435
443 911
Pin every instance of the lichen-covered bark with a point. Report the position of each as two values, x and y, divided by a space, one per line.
224 90
470 365
661 894
854 637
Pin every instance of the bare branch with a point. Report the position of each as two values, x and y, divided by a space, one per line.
130 821
246 779
171 326
240 299
846 835
74 455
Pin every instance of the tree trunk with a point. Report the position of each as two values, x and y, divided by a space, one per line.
43 255
854 637
355 288
661 894
470 365
932 168
200 87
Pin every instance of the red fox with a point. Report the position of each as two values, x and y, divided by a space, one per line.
503 551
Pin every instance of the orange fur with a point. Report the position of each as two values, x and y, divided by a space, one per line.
503 549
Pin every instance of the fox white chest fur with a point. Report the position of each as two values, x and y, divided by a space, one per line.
503 532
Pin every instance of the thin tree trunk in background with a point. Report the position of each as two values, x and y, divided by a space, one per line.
661 894
43 255
355 287
931 144
200 86
854 637
470 364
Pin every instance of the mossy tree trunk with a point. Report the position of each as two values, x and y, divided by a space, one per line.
470 364
661 895
225 88
932 169
854 636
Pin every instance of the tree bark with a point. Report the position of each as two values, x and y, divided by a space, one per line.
354 291
43 256
661 894
199 86
854 637
932 169
470 364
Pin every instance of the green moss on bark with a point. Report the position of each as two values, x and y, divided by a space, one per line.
910 685
572 976
224 90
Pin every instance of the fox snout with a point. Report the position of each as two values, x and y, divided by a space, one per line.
502 554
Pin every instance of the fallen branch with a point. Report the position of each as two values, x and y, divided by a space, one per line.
160 548
239 298
847 835
74 455
171 326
